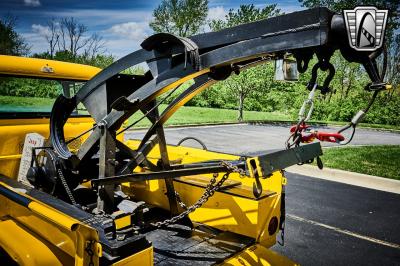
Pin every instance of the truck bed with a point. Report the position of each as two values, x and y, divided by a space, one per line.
180 245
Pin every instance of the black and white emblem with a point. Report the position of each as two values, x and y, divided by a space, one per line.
365 27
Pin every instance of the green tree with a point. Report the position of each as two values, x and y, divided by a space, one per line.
250 81
180 17
393 66
11 43
245 14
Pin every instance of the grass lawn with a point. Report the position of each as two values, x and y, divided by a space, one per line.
185 115
25 104
200 115
381 161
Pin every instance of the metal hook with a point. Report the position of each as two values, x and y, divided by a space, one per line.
309 101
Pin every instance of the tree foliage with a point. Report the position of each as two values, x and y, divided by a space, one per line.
248 82
180 17
245 14
11 43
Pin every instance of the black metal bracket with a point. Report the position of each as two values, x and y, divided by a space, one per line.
324 66
269 163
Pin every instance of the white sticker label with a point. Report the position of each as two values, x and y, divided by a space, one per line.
31 140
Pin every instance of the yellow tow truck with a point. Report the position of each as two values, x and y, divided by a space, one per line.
74 191
35 231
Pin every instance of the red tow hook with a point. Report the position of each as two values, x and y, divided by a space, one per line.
329 137
308 136
305 137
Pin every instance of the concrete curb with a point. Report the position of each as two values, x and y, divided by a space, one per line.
351 178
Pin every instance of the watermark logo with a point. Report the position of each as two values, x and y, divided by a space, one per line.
365 27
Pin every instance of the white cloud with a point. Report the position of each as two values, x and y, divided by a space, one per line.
216 13
37 43
101 17
132 30
43 31
126 37
123 30
33 3
121 47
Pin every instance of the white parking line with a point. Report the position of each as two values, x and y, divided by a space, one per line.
343 231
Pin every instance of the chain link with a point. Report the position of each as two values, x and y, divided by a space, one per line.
90 252
66 187
209 191
179 200
233 168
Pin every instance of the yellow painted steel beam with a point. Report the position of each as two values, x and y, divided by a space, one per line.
66 237
45 68
10 157
25 247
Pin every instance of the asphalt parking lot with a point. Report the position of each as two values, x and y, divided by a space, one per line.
252 139
328 223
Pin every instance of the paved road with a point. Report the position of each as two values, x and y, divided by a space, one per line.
331 223
328 223
253 139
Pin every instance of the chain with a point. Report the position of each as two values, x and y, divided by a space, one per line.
90 252
98 218
211 188
233 168
209 191
66 187
179 200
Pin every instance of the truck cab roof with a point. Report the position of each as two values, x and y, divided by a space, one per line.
44 68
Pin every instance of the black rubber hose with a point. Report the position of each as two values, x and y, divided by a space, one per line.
193 138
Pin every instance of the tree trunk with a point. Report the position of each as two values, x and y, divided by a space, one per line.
240 109
350 83
51 49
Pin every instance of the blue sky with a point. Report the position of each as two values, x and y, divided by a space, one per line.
122 24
